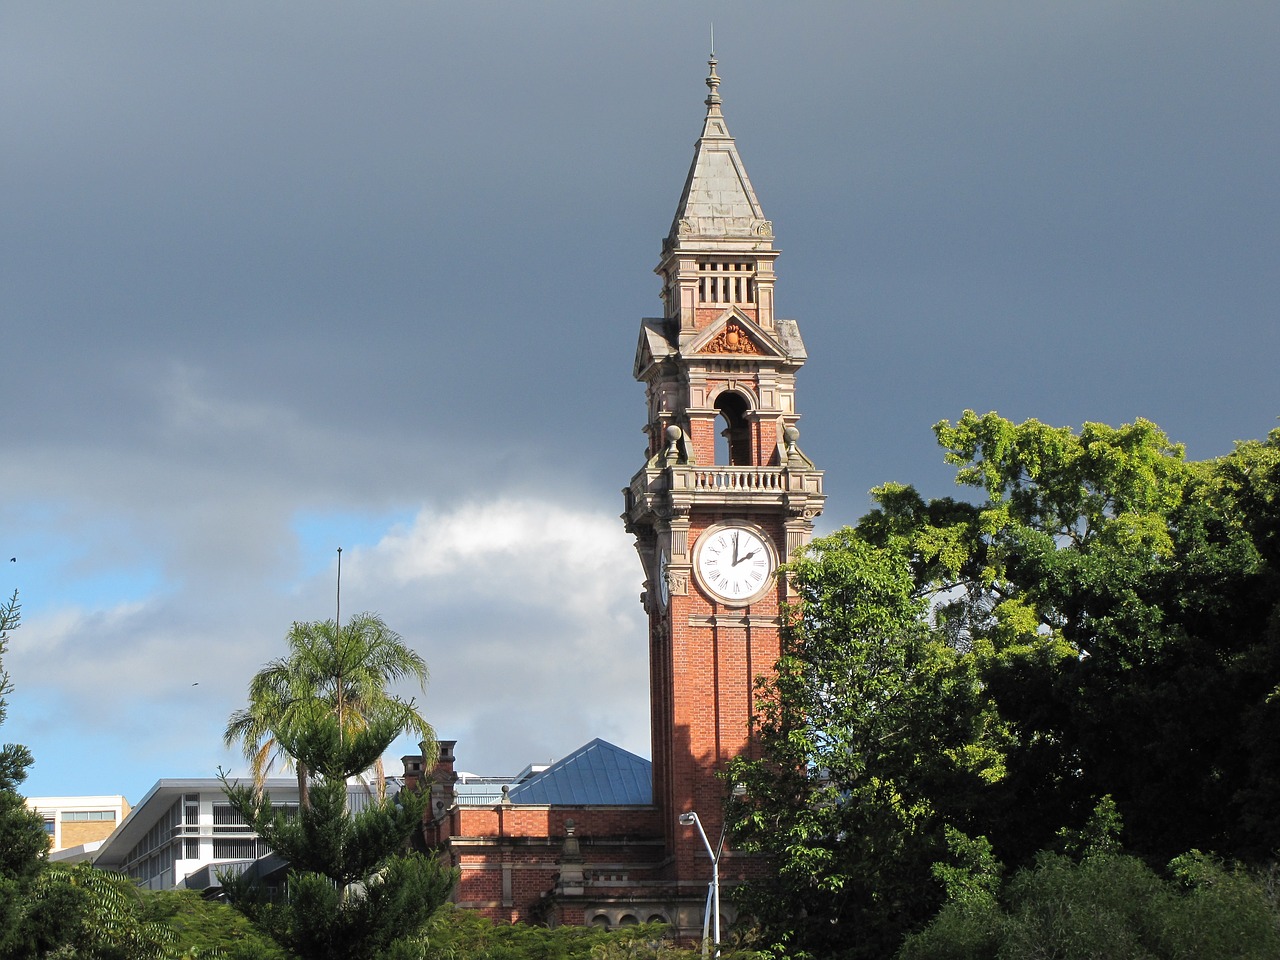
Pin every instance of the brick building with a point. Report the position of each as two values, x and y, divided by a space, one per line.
724 496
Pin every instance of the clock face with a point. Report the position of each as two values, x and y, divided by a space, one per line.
734 562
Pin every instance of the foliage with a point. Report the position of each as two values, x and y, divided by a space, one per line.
352 889
873 731
1105 620
1102 902
208 929
343 672
78 910
23 842
456 934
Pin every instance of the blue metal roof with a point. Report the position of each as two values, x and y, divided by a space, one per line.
598 773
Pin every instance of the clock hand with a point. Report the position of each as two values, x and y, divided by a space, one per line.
735 549
746 558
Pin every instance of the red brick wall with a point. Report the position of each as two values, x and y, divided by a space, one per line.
526 844
713 670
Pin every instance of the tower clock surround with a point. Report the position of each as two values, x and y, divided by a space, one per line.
734 562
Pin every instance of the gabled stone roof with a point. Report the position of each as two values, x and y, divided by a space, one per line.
598 773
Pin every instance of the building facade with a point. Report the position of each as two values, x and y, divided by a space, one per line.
77 825
183 831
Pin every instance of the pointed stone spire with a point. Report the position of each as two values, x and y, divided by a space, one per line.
718 202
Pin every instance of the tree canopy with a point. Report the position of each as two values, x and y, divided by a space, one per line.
1103 619
332 682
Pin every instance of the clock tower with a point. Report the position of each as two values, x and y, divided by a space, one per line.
725 494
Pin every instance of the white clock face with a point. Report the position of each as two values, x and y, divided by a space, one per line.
734 562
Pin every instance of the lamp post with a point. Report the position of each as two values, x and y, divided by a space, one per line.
712 908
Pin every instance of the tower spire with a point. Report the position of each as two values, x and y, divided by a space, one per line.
718 204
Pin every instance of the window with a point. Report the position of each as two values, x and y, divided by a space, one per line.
720 282
75 816
226 819
50 826
239 848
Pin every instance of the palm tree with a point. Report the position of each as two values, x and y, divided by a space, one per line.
344 672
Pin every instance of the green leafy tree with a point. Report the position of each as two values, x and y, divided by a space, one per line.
873 733
53 909
346 671
454 934
207 929
1120 604
23 843
353 891
1103 620
77 910
1094 900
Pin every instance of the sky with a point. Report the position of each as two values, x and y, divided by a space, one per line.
279 278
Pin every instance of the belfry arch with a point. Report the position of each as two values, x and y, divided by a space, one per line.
734 449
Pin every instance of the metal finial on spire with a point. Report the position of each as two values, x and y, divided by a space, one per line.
713 39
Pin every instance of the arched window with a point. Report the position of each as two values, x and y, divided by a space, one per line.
735 447
627 920
600 920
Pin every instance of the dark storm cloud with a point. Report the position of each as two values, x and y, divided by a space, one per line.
266 260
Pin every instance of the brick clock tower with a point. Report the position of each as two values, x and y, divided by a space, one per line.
725 494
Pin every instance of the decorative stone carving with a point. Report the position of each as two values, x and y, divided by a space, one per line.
571 880
733 339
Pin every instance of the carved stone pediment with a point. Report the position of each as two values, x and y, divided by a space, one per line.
734 334
732 339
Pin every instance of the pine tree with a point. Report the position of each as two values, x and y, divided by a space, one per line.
353 889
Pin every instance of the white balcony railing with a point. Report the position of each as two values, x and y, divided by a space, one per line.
738 478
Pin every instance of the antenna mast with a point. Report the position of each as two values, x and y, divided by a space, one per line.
337 621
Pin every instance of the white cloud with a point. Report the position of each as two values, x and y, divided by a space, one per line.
525 610
530 620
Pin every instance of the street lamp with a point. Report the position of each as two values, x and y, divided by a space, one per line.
712 908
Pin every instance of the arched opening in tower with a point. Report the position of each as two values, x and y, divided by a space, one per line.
734 446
